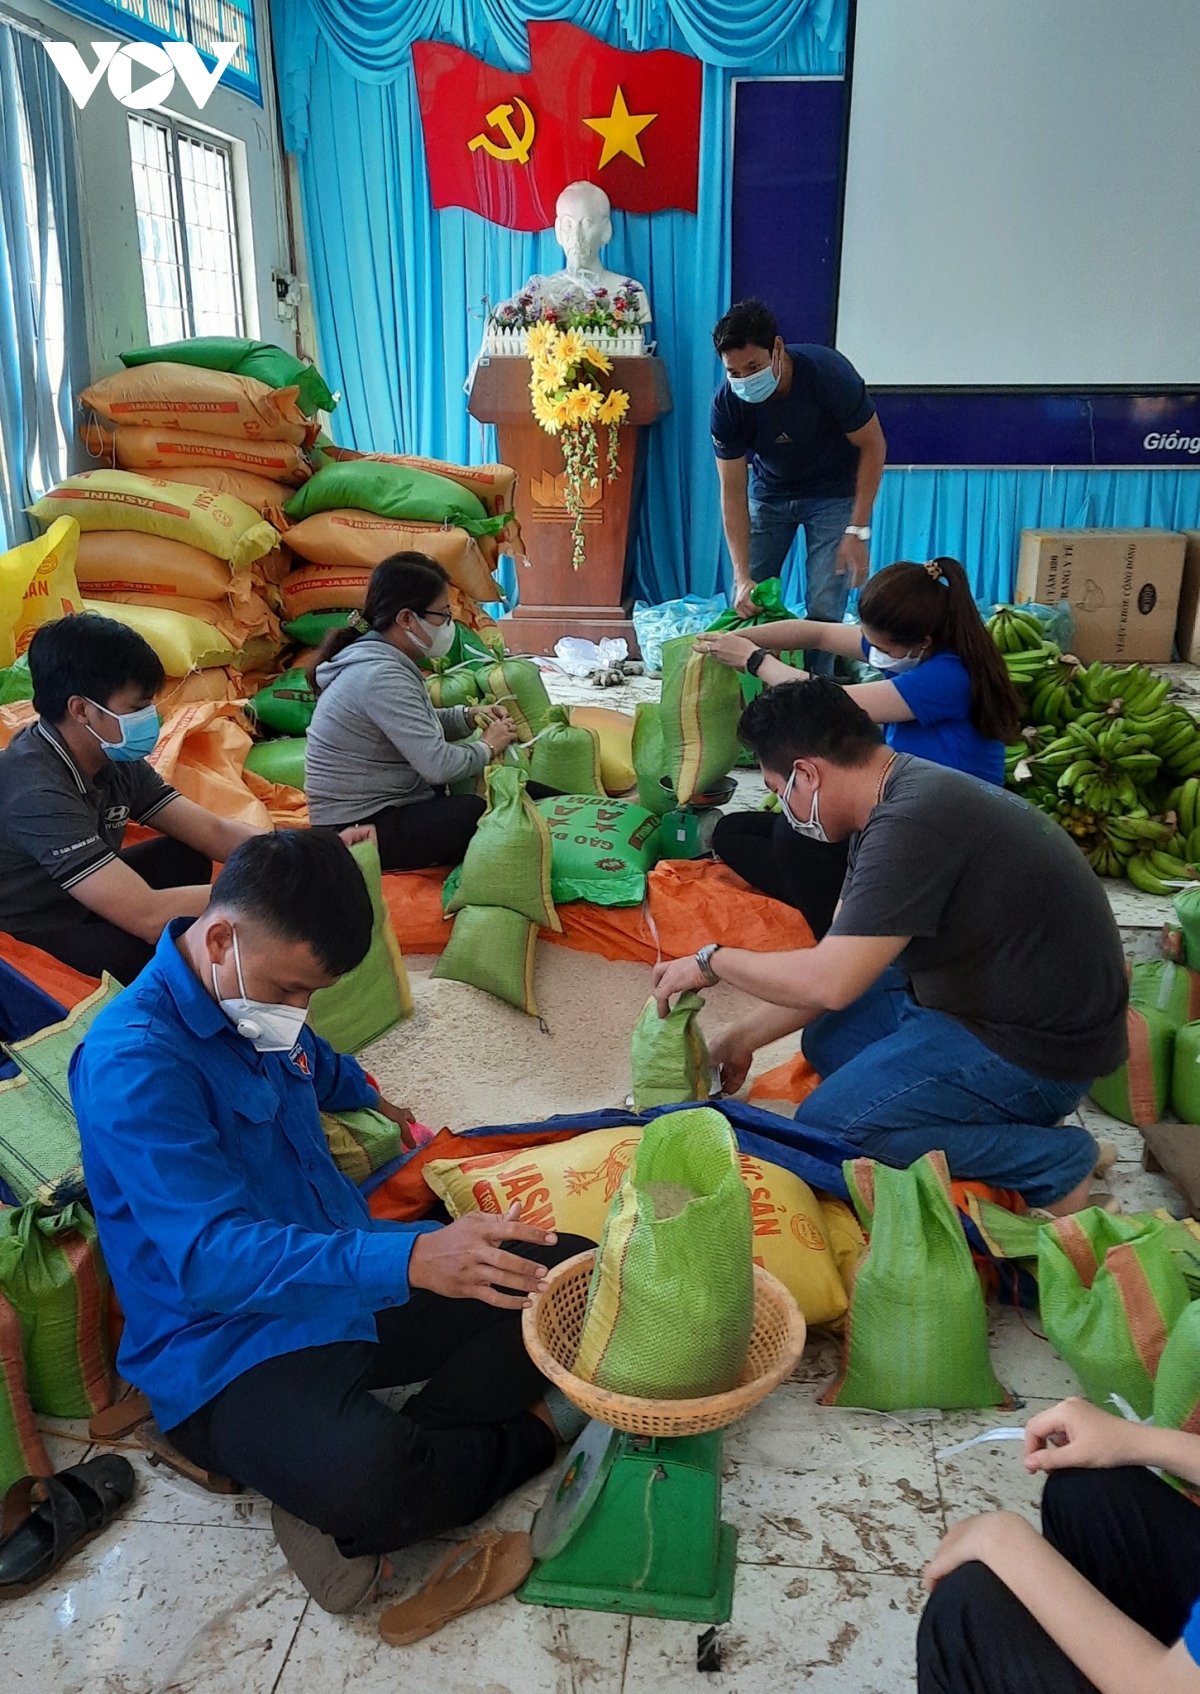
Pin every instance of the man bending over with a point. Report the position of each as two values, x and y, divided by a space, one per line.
972 984
262 1302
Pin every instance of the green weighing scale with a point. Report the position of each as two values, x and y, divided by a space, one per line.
632 1521
687 831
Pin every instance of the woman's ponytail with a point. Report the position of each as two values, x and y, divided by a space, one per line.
406 582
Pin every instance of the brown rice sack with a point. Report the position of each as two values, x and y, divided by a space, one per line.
495 485
169 450
323 588
219 684
125 561
189 397
362 540
257 491
240 621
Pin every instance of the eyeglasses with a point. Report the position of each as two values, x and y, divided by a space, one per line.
442 617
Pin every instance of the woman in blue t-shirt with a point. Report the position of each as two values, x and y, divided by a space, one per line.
946 697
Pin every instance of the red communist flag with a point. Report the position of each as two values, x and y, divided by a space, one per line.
505 144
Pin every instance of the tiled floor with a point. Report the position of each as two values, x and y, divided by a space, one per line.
836 1513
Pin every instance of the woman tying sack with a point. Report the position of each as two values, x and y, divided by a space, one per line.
379 751
947 698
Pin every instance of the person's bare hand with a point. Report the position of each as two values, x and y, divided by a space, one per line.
467 1261
743 605
401 1116
1075 1435
731 1055
971 1541
730 649
500 733
852 558
675 976
482 716
358 832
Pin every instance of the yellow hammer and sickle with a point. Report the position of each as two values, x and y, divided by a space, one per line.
500 117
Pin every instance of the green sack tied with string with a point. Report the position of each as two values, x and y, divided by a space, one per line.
375 996
492 948
566 756
53 1276
700 710
650 761
452 685
507 861
1187 910
516 684
916 1331
1111 1290
671 1301
1140 1090
669 1058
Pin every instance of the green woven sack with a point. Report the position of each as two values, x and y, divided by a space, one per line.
669 1058
507 862
671 1301
261 360
701 707
16 683
649 760
601 850
566 756
1185 1074
916 1332
311 629
453 685
1187 910
1157 985
516 684
1140 1090
279 761
22 1451
1176 1402
1111 1291
469 647
40 1157
768 600
53 1276
360 1142
375 996
285 705
493 949
392 491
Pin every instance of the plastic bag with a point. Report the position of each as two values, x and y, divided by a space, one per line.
453 685
671 1301
1058 622
655 624
375 996
579 658
669 1059
917 1330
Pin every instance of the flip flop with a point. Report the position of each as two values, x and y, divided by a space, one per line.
120 1419
75 1505
474 1574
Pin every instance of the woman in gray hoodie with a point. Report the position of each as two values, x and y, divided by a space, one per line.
379 751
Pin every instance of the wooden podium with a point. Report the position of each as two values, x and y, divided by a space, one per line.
556 600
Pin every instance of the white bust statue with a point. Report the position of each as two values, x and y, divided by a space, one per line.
582 226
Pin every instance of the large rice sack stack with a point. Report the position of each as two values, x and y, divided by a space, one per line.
261 360
495 486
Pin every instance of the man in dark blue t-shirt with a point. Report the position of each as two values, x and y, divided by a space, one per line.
798 445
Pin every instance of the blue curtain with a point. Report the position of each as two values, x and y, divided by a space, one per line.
42 345
399 287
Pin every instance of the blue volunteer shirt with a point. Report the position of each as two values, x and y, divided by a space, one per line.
938 694
1191 1632
230 1234
796 442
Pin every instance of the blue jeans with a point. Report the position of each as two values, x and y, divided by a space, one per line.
774 522
900 1080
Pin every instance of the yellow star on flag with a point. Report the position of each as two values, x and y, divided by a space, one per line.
620 130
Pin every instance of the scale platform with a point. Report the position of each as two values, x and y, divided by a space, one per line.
632 1523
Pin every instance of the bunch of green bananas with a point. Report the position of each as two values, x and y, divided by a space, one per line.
1177 741
1184 801
1129 691
1158 868
1100 762
1015 631
1053 697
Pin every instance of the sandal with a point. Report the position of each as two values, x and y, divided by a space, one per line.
76 1504
476 1573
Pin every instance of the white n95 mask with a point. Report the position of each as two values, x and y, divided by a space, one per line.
269 1028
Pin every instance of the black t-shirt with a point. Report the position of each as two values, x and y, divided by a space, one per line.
796 442
58 826
1012 933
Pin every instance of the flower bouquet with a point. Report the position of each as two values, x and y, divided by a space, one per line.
568 403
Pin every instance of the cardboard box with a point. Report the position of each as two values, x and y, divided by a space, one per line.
1122 586
1187 629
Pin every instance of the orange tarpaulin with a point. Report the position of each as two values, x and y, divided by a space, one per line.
202 752
63 984
788 1083
688 902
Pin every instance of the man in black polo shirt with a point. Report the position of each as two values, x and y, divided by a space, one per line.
798 446
71 782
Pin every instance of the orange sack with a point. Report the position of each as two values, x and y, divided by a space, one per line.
361 540
257 491
202 752
127 561
169 450
170 396
219 683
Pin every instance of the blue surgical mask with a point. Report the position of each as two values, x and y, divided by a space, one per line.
758 387
139 733
813 828
881 661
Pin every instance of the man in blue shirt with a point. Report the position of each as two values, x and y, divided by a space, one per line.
262 1302
798 446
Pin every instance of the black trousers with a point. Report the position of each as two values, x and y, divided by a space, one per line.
762 848
305 1430
1132 1535
432 832
91 944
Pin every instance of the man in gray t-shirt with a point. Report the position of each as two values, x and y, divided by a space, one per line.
972 984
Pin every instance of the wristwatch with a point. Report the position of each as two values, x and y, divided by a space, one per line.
754 662
704 960
863 531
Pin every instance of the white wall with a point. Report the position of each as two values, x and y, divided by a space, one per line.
115 306
1021 200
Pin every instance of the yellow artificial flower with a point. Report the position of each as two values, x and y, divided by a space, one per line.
544 373
572 348
546 411
615 406
584 402
539 342
598 360
562 414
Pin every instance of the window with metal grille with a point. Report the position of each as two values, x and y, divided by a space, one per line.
187 230
198 21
